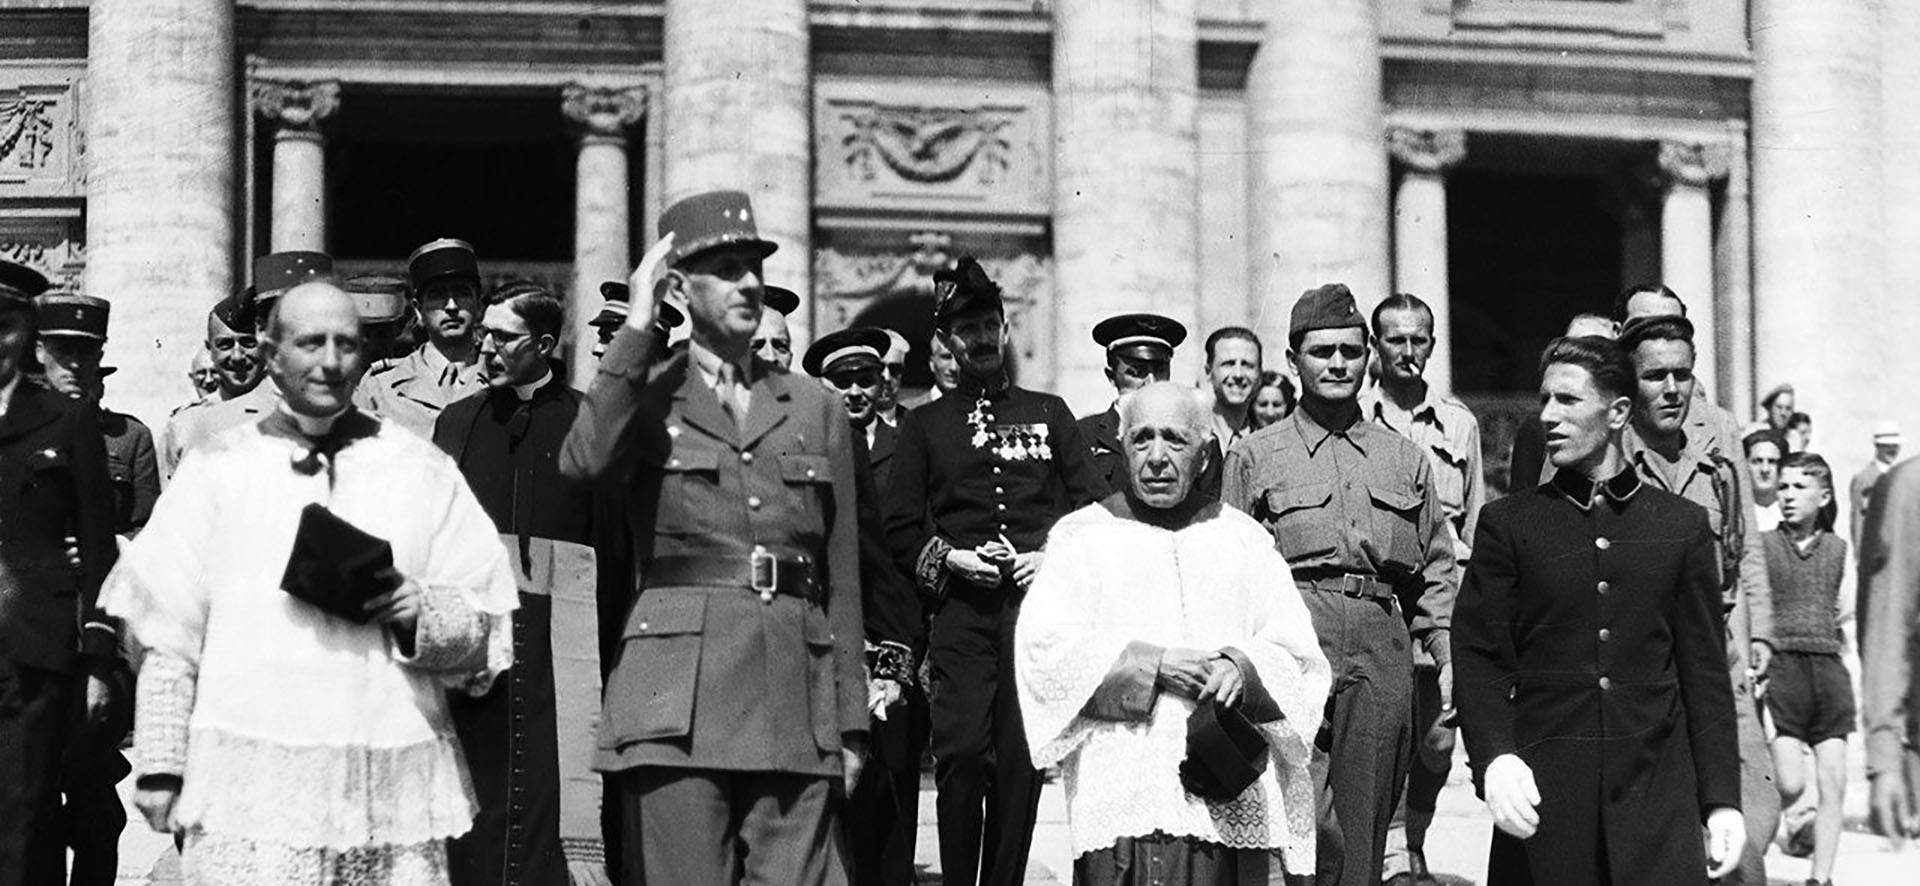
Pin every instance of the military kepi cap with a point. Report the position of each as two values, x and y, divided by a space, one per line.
236 311
441 259
20 285
378 298
850 348
713 219
1139 335
1325 307
277 272
71 315
962 289
781 299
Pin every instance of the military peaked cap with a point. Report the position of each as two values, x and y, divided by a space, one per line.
713 219
848 348
72 315
20 285
441 259
1139 335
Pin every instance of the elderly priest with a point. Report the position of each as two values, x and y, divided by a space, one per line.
1168 666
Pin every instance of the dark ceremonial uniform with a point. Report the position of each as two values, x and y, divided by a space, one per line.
1888 618
533 818
1589 644
132 467
1145 342
1101 430
989 461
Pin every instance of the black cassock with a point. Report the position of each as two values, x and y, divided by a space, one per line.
1587 640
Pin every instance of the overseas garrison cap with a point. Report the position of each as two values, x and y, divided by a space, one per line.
20 285
618 305
236 310
705 221
443 258
854 347
379 298
1325 307
1144 336
780 298
71 315
277 272
963 288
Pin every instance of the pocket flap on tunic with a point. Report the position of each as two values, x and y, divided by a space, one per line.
801 468
1393 499
1293 498
665 614
689 458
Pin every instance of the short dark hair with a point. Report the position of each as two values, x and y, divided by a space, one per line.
1239 332
1602 358
1763 435
1799 418
1816 467
1627 294
532 303
1655 329
1401 301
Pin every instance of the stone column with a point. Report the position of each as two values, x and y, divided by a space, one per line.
1420 231
1734 276
1319 157
297 111
1686 246
739 115
1126 172
602 240
160 185
1825 320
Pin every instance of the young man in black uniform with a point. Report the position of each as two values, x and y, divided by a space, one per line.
979 478
1139 352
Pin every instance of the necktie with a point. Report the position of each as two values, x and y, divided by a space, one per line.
728 391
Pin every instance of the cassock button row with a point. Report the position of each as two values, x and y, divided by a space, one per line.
1606 683
1605 635
1001 506
753 501
1602 543
996 470
999 490
1603 586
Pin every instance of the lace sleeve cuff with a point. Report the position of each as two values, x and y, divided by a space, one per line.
449 637
930 572
166 691
887 660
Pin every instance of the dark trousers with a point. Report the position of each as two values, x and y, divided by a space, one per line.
1364 746
1426 777
882 818
988 791
705 827
34 720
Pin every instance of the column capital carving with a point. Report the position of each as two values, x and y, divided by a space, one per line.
296 106
1693 164
1432 151
603 111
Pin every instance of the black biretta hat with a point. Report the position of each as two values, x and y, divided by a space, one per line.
337 567
1225 752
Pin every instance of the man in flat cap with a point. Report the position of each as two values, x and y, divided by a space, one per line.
1446 431
1887 441
72 329
57 650
1139 351
978 479
1353 508
411 391
739 696
273 275
882 813
233 351
773 341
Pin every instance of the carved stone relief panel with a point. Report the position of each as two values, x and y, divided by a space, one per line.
55 247
41 147
932 146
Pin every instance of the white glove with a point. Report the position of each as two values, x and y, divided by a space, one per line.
882 694
1726 835
1512 796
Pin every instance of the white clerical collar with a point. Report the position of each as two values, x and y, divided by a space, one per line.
525 392
311 425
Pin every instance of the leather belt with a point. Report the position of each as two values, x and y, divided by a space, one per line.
1357 586
761 571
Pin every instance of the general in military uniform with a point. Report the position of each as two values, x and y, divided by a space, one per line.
978 480
739 696
57 649
1353 508
411 391
1139 350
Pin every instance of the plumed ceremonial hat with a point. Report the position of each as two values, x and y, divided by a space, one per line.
618 305
336 566
852 347
277 272
379 298
441 259
713 219
1325 307
71 315
20 285
962 289
1139 335
780 298
1225 752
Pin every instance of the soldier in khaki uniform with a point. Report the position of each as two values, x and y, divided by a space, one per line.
739 696
411 391
233 360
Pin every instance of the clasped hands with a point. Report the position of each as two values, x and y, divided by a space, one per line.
1514 800
1201 676
990 563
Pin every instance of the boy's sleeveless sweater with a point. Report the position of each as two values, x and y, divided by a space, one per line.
1806 591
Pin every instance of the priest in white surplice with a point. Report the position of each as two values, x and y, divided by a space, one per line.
1150 601
286 745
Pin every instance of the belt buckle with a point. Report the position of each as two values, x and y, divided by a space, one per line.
765 578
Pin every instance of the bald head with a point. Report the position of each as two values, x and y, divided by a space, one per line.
1590 324
314 348
1163 431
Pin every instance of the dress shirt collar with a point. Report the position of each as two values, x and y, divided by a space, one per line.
1312 434
525 392
1377 405
968 386
890 416
709 364
1694 457
1583 492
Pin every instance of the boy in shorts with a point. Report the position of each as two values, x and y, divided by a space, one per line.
1809 692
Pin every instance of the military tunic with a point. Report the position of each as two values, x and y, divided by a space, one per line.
1101 430
412 391
132 467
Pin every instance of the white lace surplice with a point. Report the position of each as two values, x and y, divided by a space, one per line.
1109 582
308 731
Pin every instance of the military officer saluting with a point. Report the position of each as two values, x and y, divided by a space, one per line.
1139 351
412 390
739 695
1353 509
